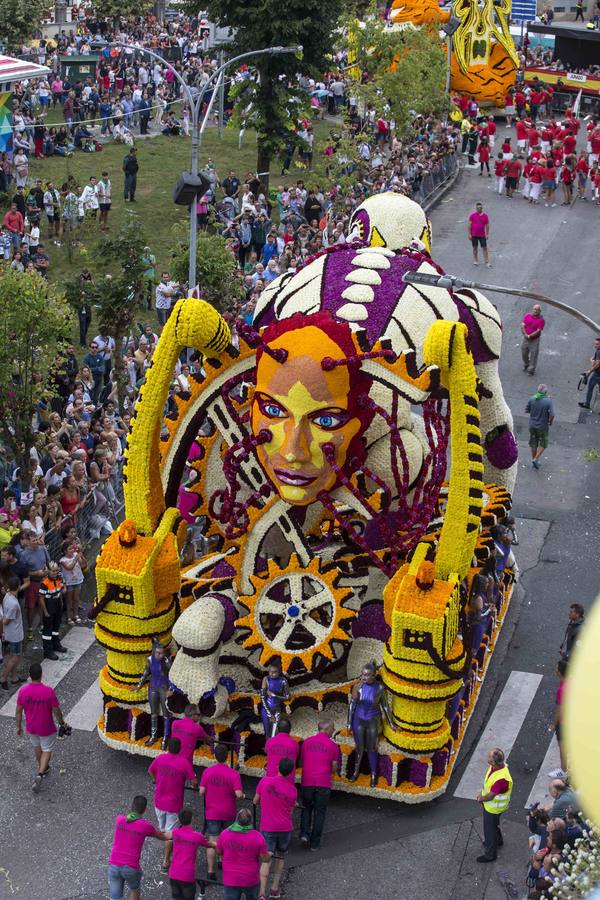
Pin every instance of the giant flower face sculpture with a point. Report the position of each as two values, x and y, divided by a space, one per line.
310 412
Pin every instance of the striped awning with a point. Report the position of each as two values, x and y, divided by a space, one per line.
12 69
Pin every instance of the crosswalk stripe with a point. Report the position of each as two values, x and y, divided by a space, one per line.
539 791
501 730
86 711
77 641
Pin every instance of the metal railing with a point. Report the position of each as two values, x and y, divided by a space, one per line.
441 171
90 521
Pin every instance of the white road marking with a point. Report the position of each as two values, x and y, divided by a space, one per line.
501 730
539 791
77 641
87 710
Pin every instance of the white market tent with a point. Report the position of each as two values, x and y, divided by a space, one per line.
12 69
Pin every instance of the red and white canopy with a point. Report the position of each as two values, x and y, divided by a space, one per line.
12 69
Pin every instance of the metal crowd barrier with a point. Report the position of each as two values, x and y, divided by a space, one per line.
89 520
441 171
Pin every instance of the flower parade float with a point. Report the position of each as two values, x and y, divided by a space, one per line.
484 60
340 472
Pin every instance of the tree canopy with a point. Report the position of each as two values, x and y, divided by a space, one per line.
35 324
273 105
405 72
111 9
216 271
116 295
20 18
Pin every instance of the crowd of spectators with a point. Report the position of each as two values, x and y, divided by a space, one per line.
69 496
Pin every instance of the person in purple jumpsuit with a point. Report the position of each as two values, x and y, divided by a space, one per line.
367 700
157 674
274 691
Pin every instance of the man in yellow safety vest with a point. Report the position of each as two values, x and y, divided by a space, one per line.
495 798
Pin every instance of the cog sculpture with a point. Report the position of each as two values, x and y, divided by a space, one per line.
311 467
484 60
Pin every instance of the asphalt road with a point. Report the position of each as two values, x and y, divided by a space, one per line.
56 845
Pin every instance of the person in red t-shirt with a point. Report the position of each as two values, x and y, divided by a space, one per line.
484 157
545 139
567 177
520 103
595 145
500 173
583 170
522 132
569 143
595 178
535 183
513 173
491 128
549 181
527 169
533 137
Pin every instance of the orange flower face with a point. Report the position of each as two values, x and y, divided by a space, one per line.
304 408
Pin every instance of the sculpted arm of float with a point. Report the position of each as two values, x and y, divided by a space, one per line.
193 323
145 677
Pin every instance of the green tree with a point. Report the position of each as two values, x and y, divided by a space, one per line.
117 296
35 323
216 269
20 18
114 9
405 72
273 105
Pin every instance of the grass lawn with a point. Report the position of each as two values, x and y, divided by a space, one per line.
161 160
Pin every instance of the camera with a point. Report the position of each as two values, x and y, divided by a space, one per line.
64 730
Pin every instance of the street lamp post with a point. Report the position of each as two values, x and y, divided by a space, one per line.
449 28
454 282
195 104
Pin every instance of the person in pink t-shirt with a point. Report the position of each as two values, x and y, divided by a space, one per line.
531 329
170 771
277 798
41 707
243 850
478 231
189 731
220 786
124 867
282 746
186 843
320 759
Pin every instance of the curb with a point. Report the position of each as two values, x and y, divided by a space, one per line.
442 190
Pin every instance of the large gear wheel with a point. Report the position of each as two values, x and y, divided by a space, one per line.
296 613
